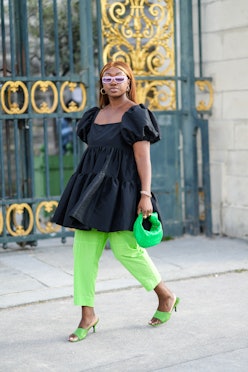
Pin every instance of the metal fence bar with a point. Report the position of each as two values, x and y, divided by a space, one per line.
203 124
188 129
70 38
56 37
12 39
4 64
42 49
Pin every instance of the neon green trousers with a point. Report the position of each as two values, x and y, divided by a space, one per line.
87 249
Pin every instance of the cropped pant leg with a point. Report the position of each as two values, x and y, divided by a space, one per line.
134 258
87 250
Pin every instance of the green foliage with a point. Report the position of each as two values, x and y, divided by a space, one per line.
56 33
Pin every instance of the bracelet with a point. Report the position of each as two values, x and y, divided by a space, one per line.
146 193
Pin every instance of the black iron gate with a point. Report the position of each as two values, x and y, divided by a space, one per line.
50 52
47 80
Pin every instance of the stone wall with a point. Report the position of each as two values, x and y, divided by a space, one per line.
225 59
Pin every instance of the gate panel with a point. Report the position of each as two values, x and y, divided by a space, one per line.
47 80
144 34
166 166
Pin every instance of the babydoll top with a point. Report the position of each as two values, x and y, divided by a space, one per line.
104 191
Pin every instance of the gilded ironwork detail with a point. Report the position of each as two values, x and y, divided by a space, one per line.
44 107
74 105
157 95
205 87
20 218
15 219
141 33
14 89
43 96
43 215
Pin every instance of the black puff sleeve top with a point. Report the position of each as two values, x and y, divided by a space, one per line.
104 191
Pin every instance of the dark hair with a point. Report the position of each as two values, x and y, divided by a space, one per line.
103 99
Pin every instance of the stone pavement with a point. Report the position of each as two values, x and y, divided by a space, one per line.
208 333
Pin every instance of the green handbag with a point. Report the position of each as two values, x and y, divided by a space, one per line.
148 238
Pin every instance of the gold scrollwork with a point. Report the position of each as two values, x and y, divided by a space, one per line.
141 33
42 217
12 87
158 95
1 223
205 86
44 108
73 106
14 216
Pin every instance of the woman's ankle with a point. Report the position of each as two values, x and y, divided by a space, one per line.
88 317
165 297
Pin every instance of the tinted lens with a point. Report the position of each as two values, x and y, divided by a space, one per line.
106 79
120 79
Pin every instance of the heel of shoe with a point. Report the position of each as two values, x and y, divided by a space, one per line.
176 303
94 326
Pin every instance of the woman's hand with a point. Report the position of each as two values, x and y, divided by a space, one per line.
145 206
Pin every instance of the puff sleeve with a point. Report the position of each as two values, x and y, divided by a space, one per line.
139 124
84 124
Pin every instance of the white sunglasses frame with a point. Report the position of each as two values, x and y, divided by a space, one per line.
113 78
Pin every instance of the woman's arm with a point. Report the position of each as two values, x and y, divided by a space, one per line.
143 162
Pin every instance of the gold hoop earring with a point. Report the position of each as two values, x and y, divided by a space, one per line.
102 91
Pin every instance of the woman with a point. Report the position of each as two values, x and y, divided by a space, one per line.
111 185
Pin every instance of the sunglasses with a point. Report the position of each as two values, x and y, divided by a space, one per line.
117 79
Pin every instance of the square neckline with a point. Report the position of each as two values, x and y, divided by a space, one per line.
117 122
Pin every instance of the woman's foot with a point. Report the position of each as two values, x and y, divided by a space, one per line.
82 332
88 320
166 302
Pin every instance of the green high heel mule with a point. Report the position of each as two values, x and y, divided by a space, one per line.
164 316
81 333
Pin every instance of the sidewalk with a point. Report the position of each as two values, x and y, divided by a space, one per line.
208 333
46 272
